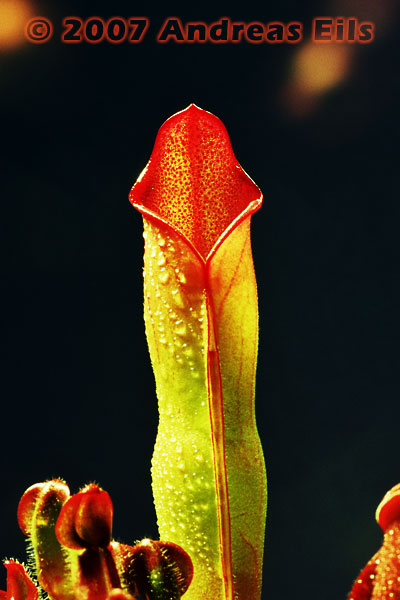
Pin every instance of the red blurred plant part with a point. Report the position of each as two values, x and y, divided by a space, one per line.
19 584
77 559
119 594
380 578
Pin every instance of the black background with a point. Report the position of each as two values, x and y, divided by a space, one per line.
77 126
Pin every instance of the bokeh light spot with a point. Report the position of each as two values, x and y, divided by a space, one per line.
316 69
13 16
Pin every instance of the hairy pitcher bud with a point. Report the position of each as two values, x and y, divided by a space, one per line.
75 556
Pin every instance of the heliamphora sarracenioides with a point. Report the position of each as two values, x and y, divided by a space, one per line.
201 316
209 483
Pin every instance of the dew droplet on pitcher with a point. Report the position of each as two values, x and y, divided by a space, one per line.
170 247
199 457
180 276
160 240
188 351
178 299
194 372
163 276
199 482
181 328
161 260
178 344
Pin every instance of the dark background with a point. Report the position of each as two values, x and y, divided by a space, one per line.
77 126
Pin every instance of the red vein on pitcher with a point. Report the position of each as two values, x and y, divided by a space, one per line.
215 403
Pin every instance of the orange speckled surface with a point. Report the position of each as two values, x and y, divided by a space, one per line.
193 180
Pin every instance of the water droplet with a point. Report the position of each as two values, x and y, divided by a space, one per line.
178 298
181 277
163 276
181 328
188 351
178 343
161 260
